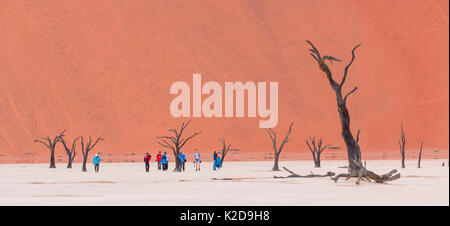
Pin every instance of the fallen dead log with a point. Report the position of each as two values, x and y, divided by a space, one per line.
368 175
294 175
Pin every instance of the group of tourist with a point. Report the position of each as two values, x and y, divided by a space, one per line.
162 160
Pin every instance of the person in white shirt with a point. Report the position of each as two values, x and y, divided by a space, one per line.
197 160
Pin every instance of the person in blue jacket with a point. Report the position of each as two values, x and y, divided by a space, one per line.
165 161
182 159
214 160
96 162
217 162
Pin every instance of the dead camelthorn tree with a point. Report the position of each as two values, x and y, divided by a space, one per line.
316 149
420 155
51 144
175 142
71 152
277 151
86 148
355 167
401 143
225 149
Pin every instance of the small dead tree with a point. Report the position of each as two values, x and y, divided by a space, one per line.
51 144
86 148
401 143
420 155
355 167
71 153
175 142
225 149
277 151
316 149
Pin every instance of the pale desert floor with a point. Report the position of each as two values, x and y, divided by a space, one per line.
252 184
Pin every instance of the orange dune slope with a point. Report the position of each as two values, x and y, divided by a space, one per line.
104 68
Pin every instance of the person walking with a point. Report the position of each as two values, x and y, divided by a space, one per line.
165 161
197 160
158 160
214 160
96 162
182 159
147 161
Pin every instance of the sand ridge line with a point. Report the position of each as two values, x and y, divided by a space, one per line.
46 196
79 182
237 179
417 176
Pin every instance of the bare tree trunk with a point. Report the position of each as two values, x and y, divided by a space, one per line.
69 164
402 143
84 169
353 151
317 163
420 155
275 163
52 159
177 161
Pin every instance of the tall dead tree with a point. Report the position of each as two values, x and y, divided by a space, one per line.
51 144
86 148
420 155
71 153
316 149
401 143
355 167
353 150
225 149
277 151
175 142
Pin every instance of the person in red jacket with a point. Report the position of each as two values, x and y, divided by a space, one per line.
158 160
147 161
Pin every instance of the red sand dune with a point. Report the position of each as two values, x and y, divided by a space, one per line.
105 68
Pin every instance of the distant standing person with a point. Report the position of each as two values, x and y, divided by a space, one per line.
218 162
182 159
158 160
147 161
165 161
96 162
214 160
197 160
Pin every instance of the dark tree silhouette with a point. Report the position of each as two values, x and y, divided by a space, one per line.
175 142
277 151
401 143
51 144
353 150
355 167
420 155
71 153
225 149
86 148
316 149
